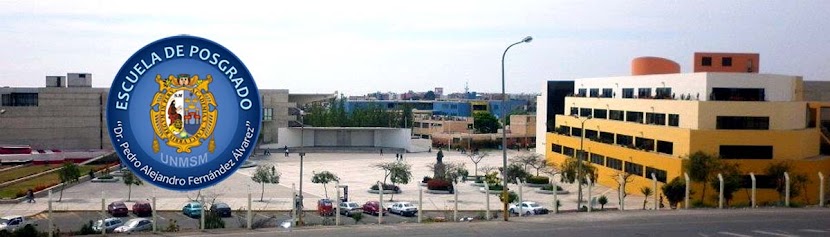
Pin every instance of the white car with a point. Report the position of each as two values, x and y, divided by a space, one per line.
11 223
348 208
403 209
135 225
527 208
108 224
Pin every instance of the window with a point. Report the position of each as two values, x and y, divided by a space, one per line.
600 113
616 115
634 168
577 132
706 61
556 148
745 152
575 111
633 116
582 155
267 114
628 93
663 92
607 92
737 94
658 173
598 159
585 112
674 120
665 147
761 181
594 92
81 75
591 134
644 93
656 118
582 92
625 140
567 151
644 143
743 123
606 137
564 130
613 163
726 61
20 99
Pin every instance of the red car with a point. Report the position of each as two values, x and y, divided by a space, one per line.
325 207
117 209
373 208
142 208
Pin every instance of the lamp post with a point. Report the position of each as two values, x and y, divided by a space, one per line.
302 154
579 159
504 130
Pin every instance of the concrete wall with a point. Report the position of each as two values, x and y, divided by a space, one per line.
541 119
344 137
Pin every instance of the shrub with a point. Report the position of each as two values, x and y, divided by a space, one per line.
387 187
496 187
538 180
511 197
437 184
549 187
86 229
213 221
357 217
602 201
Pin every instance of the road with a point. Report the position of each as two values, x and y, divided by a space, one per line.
705 223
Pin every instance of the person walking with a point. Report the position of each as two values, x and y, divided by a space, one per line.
286 151
30 195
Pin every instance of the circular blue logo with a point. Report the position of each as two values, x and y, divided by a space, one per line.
183 113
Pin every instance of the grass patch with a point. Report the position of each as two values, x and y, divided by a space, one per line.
19 189
13 174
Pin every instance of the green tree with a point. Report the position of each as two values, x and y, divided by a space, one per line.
602 201
430 95
675 191
701 167
69 173
476 158
569 170
516 171
646 191
485 123
324 178
511 197
731 180
266 175
396 172
130 180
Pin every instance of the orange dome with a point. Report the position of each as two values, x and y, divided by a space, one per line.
653 65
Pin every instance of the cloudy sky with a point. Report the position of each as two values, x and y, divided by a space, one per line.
356 47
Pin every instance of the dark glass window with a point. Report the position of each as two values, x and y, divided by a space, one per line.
591 134
665 147
606 137
20 99
616 115
761 181
633 116
634 168
576 132
663 92
567 151
556 148
594 92
582 155
656 118
575 111
726 61
745 152
674 120
644 143
644 93
613 163
597 159
706 61
600 113
743 123
565 130
625 140
607 92
628 92
582 92
658 173
585 112
737 94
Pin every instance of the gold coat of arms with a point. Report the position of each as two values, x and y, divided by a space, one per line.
183 112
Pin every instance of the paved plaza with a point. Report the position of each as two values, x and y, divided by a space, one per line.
354 170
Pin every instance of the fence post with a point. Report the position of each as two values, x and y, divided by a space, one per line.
420 202
455 209
752 176
720 194
622 192
590 185
155 217
202 214
103 213
487 199
654 185
688 183
787 189
49 214
519 183
381 208
821 189
337 207
555 198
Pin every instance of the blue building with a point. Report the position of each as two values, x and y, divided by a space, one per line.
448 108
451 108
512 105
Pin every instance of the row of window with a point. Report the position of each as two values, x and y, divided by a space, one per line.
19 99
661 93
613 163
742 122
632 142
629 116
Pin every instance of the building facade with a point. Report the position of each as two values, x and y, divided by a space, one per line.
648 124
70 114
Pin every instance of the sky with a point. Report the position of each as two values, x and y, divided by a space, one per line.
357 47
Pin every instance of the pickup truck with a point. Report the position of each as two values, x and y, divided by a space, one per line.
403 209
12 223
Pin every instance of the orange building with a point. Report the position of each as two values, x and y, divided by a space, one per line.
727 62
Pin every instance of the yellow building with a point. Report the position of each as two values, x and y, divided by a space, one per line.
649 123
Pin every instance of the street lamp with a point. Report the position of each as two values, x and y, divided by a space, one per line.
504 130
302 154
579 159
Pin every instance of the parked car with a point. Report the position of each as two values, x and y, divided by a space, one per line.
192 209
403 209
142 208
221 208
348 208
135 225
373 208
325 207
528 208
11 223
108 224
117 208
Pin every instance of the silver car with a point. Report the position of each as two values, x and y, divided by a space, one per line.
108 224
348 208
135 225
